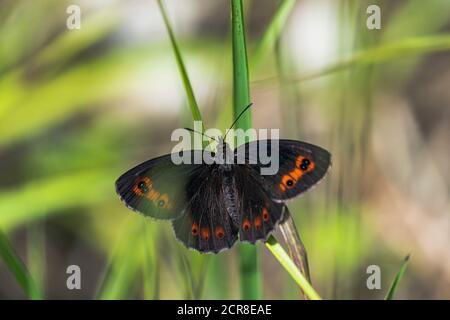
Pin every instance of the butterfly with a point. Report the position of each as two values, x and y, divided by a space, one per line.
210 206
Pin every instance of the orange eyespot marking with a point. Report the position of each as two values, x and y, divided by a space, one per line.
205 233
257 222
265 214
296 174
246 225
142 186
194 229
302 166
219 232
163 201
288 182
305 164
153 195
298 161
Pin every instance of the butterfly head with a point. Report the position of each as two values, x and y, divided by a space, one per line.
224 152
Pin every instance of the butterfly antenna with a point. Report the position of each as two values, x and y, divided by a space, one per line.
202 133
237 118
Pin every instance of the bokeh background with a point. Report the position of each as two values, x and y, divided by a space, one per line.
79 107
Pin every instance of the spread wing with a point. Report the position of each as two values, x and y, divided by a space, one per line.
157 188
301 165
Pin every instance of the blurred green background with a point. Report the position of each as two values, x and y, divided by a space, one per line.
80 107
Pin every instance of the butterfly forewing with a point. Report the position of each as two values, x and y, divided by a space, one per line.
157 188
301 166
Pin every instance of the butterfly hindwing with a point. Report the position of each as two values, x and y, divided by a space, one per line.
258 213
206 225
157 188
301 166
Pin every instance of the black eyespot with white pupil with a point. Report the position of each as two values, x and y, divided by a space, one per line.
289 183
143 186
305 164
161 203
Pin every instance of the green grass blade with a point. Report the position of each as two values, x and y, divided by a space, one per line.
124 266
386 52
400 49
96 27
273 31
30 110
241 87
181 67
248 255
150 269
26 203
290 267
18 268
398 277
36 253
120 278
417 18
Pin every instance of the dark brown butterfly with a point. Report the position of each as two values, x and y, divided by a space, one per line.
210 205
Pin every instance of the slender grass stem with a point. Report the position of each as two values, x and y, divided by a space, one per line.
181 67
18 268
401 49
36 257
281 255
241 86
272 32
398 277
